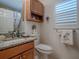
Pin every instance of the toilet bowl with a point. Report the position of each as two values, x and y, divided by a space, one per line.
44 49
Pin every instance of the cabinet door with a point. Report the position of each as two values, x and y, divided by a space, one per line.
28 55
17 57
37 7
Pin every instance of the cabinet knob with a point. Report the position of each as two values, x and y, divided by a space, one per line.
21 57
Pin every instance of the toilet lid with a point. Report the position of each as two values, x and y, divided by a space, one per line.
44 47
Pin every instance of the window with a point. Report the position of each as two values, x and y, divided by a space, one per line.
66 13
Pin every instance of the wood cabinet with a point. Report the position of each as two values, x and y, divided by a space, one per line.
37 7
24 51
28 55
17 57
33 10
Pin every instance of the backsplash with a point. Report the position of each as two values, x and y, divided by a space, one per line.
26 27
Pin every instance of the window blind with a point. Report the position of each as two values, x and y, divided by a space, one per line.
66 13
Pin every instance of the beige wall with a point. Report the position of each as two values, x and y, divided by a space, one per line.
49 36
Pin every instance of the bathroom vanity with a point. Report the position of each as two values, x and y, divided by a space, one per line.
19 49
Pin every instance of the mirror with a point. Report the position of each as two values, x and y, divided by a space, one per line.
15 5
10 15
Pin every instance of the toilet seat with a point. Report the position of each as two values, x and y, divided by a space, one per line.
44 47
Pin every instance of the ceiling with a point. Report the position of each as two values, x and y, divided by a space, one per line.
12 4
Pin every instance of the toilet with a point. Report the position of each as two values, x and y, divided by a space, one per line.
40 48
43 49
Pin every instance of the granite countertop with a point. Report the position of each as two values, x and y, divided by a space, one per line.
15 42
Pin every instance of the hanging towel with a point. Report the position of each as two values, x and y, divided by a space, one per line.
66 36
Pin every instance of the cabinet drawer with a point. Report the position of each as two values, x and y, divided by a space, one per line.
6 54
